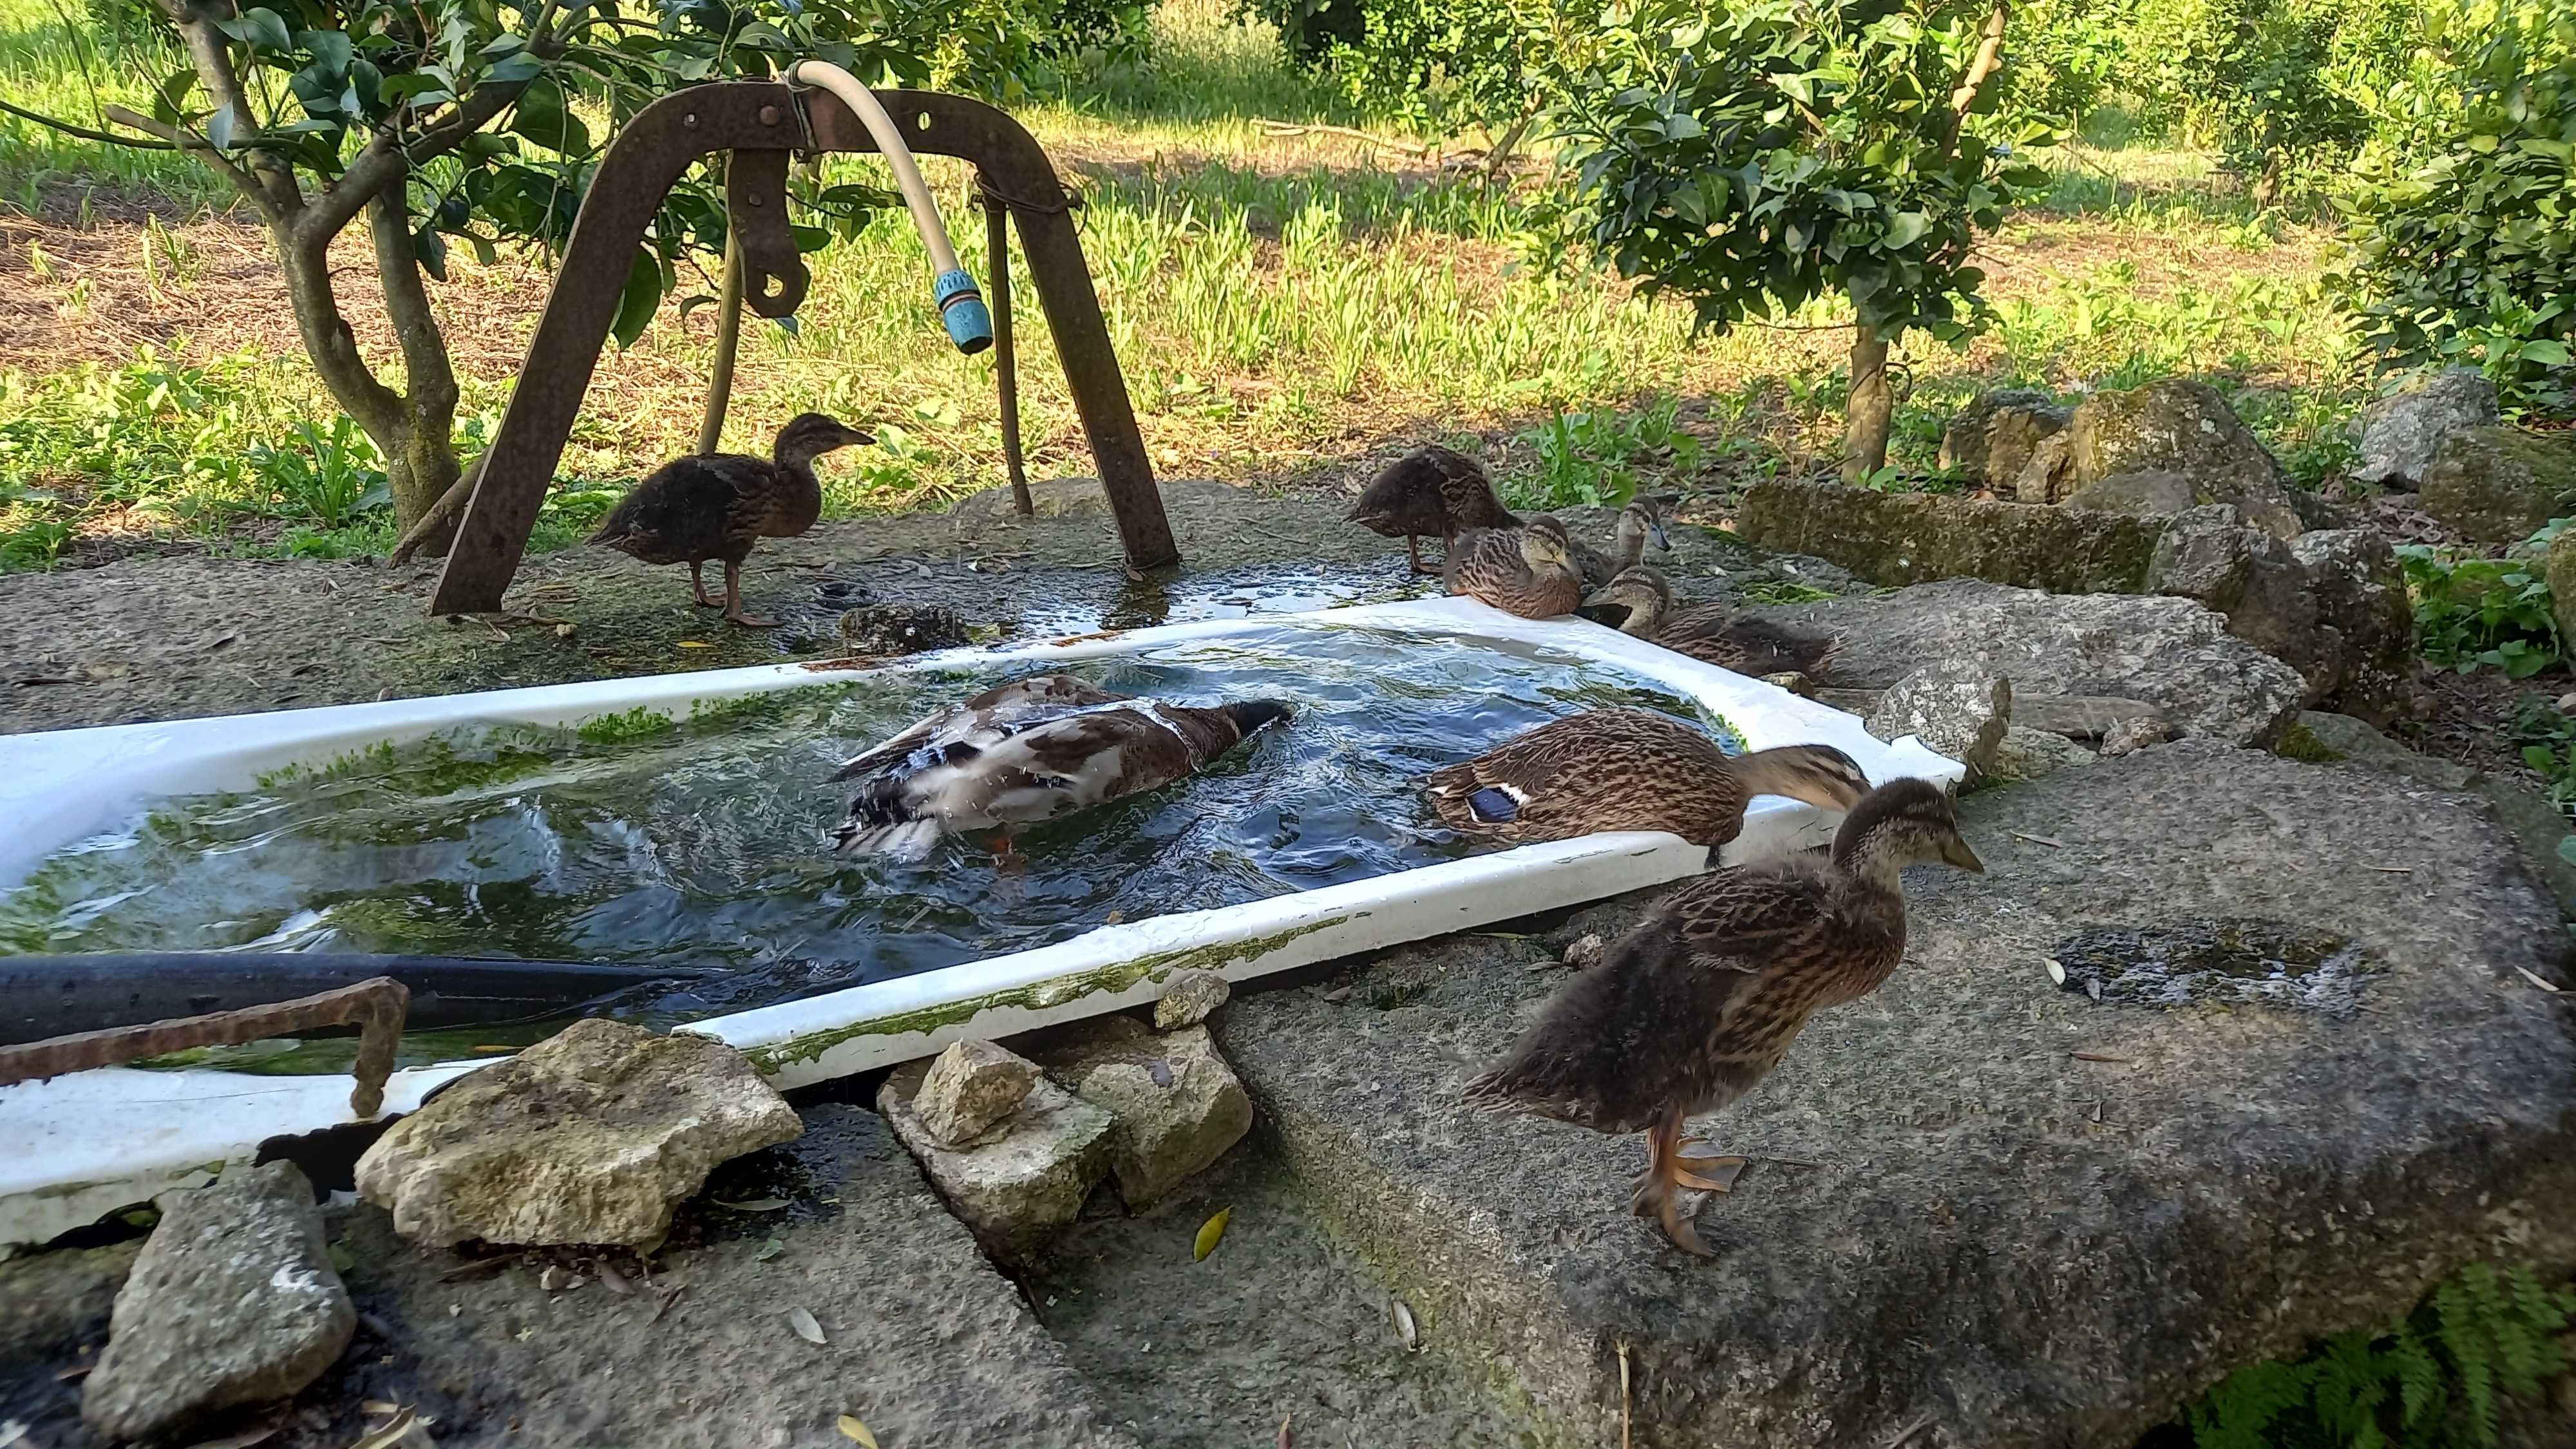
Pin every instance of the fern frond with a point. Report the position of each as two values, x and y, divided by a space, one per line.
2421 1392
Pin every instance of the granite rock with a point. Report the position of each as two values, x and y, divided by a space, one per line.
1957 707
2500 485
2399 435
971 1086
2183 426
1016 1186
1176 1105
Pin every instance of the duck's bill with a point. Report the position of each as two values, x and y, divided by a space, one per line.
1956 852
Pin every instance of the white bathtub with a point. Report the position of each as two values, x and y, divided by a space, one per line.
83 1145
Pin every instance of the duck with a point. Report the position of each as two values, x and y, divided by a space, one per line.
1528 570
1641 519
1029 751
716 505
1630 769
1640 602
1693 1007
1431 492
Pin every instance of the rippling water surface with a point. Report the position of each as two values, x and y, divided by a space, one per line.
702 842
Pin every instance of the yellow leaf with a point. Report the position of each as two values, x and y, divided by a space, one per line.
1211 1233
856 1432
695 644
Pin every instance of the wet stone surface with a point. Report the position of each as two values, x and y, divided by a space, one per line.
2239 962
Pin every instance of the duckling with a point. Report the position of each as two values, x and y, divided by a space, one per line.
1029 751
1527 570
1431 492
717 505
1693 1007
1641 520
1631 769
1640 602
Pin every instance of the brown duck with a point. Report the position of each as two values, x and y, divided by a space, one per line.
1691 1009
1631 769
1029 751
1527 570
718 504
1641 520
1640 602
1431 492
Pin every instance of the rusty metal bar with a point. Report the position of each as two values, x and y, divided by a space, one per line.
1006 363
748 118
376 1007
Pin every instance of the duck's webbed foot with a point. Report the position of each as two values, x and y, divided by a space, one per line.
1706 1171
1659 1188
1413 550
733 600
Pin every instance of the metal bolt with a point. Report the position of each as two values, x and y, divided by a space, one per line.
751 198
690 121
769 115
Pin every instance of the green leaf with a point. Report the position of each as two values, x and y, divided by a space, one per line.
642 297
2547 350
329 48
220 127
522 66
1211 1233
542 116
260 28
431 248
1905 229
2538 757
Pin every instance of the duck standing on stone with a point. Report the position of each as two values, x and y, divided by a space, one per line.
1431 492
1630 769
1640 602
1527 570
716 505
1029 751
1696 1005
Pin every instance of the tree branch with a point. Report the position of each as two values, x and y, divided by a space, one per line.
1988 60
272 184
430 380
205 152
84 132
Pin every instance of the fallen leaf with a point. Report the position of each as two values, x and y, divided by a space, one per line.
856 1432
487 1048
613 1280
752 1205
1211 1233
2040 840
342 1260
695 644
378 1406
667 1300
1404 1327
554 1279
1338 993
1286 1439
2534 979
1113 918
769 1248
2056 970
564 630
2097 1057
74 1374
805 1326
527 1333
2093 989
406 1431
244 1439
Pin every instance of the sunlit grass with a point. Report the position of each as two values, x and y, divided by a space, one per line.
1278 307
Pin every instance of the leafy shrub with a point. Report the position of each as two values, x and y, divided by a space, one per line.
2548 740
1591 458
2432 1382
329 476
2484 611
1442 65
2463 233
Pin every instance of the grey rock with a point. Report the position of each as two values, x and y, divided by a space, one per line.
2360 591
59 1300
2499 485
2399 435
1793 681
233 1301
971 1086
2027 754
2171 653
928 1343
2132 735
2183 426
591 1136
881 630
1958 707
2356 740
1176 1103
2026 454
1908 538
1013 1187
1965 442
1189 998
2211 555
2256 1178
2146 493
1072 498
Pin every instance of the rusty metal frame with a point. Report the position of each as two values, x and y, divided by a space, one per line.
375 1006
760 123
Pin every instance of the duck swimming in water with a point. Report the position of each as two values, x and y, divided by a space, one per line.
1026 752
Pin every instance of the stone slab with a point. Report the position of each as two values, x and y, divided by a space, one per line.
2027 1248
1909 538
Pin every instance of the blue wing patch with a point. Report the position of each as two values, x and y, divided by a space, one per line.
1494 807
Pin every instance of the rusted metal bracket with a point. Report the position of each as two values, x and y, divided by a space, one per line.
774 278
760 122
375 1006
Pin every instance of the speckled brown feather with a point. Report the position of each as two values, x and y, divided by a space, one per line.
714 506
1716 634
1488 565
1431 492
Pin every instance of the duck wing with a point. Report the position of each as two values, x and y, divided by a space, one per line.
1604 769
693 508
1715 634
1674 1012
1405 498
982 720
1018 774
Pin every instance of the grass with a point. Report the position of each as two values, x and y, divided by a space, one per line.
1283 310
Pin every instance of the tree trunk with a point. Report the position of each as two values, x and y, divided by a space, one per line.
421 471
1872 407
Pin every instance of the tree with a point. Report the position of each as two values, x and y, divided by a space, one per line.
2463 219
1756 155
469 122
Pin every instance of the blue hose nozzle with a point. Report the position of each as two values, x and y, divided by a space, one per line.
961 307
